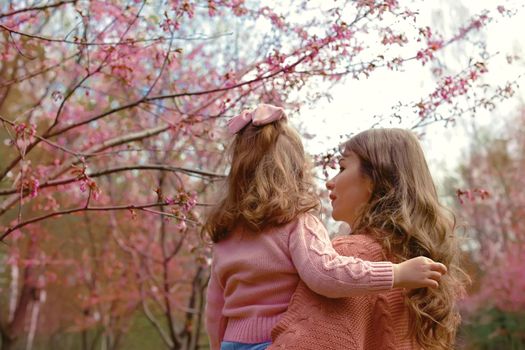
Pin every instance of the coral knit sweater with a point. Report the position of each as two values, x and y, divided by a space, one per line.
372 322
255 274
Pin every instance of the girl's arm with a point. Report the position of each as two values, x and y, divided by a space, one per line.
215 321
332 275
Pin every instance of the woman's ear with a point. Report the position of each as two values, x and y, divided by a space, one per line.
369 186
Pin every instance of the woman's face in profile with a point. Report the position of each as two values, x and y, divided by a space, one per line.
349 189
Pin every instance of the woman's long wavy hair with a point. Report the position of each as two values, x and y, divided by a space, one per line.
405 216
269 183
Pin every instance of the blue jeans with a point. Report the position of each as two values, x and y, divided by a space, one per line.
228 345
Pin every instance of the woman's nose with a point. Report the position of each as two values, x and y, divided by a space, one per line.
330 184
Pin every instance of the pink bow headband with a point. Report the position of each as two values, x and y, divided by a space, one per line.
263 114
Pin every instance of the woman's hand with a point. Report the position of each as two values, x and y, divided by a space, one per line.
418 272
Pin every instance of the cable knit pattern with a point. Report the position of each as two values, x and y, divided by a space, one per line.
328 273
255 274
371 322
324 248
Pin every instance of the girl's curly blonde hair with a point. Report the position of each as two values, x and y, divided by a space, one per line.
269 183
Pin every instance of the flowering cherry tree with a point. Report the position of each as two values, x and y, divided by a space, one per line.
495 216
494 211
111 121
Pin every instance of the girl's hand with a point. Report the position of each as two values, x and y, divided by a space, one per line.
418 272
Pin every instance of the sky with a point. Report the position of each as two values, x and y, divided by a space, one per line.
355 101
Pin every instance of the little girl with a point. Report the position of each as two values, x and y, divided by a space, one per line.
266 239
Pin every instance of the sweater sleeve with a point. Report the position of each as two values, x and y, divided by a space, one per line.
328 273
215 321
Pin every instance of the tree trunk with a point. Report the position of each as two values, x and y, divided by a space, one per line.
7 342
28 295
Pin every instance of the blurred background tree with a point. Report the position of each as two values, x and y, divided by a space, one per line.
493 211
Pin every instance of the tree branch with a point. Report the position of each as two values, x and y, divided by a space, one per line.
37 8
81 209
110 43
187 171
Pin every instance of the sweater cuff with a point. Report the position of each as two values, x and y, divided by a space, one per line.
382 275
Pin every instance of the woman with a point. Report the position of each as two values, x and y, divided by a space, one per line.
385 192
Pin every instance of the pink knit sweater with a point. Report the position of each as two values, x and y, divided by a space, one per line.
254 276
371 322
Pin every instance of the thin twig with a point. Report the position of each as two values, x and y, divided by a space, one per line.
43 139
81 209
112 43
37 8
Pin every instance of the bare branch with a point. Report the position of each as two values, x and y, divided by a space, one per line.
111 43
165 61
43 139
81 209
187 171
37 8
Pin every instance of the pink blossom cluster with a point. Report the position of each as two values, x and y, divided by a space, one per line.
186 200
169 25
183 203
29 179
86 183
433 44
275 60
325 161
121 61
22 129
381 6
390 38
20 20
342 31
471 194
237 7
31 184
475 24
276 19
450 87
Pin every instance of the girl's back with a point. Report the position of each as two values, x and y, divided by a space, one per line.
257 276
